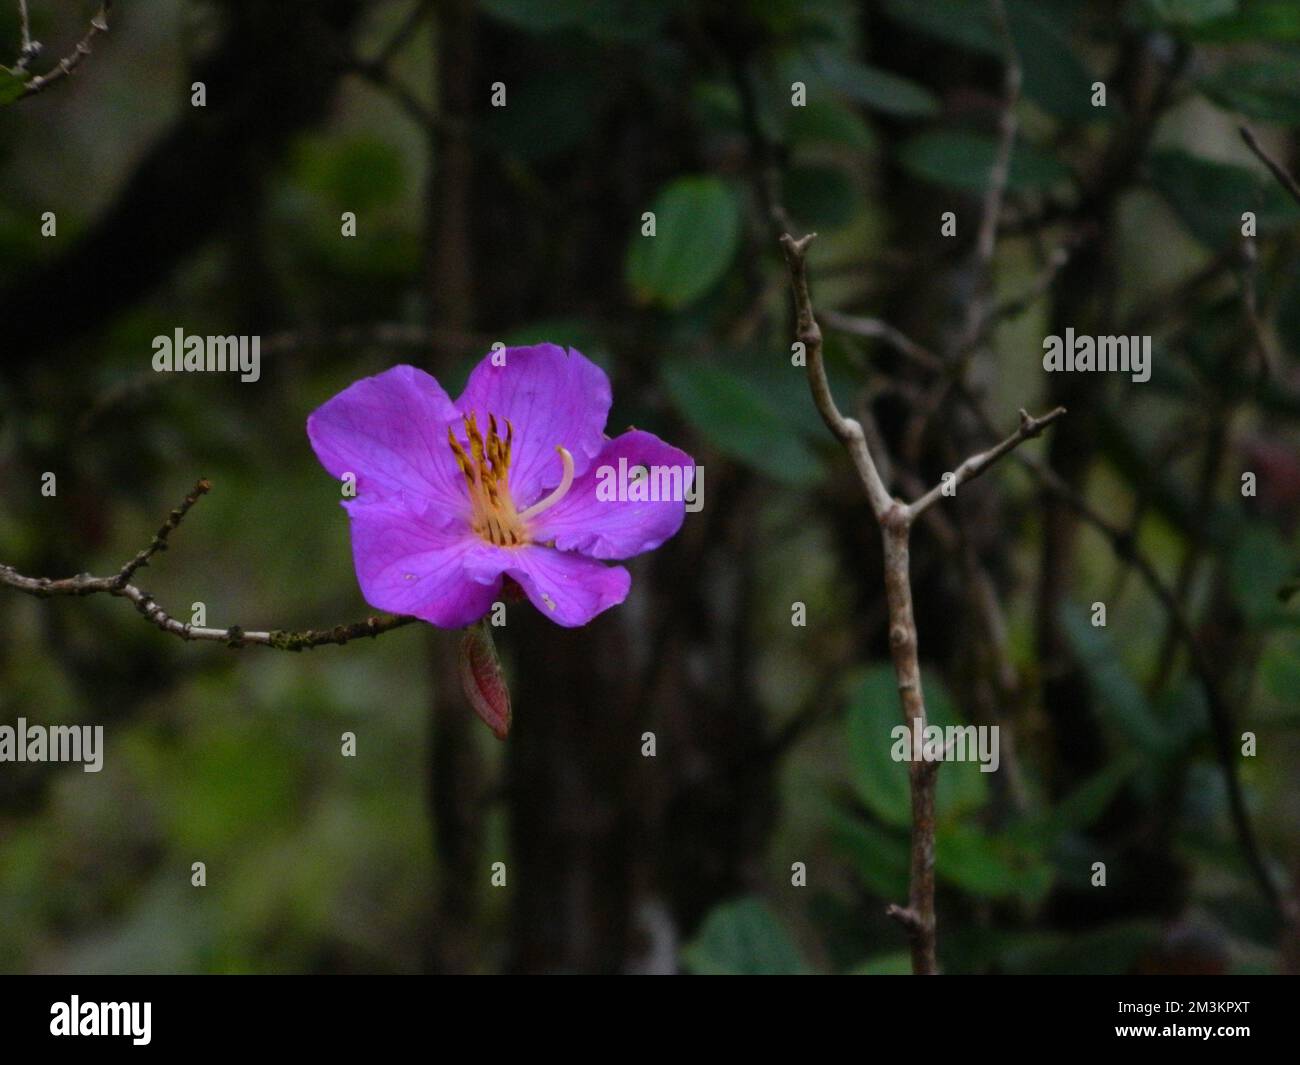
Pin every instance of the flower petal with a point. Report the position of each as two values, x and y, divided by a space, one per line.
551 398
591 520
391 431
569 589
410 562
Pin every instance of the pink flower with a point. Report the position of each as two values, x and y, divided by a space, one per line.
454 498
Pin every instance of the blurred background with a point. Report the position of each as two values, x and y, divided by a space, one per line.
523 223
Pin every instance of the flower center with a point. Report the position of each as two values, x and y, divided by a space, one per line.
486 467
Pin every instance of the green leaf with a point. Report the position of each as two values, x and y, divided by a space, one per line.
880 855
1256 20
743 938
12 85
1108 950
962 159
883 90
991 866
697 229
898 963
880 781
1181 14
1209 197
1079 809
546 119
1264 88
735 417
539 18
1260 564
357 173
1054 75
878 89
828 122
820 197
964 23
1120 698
962 787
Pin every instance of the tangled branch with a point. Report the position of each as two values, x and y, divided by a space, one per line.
895 519
120 585
65 66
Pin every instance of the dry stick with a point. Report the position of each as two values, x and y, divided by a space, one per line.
1221 718
1123 545
895 520
30 49
999 174
235 636
69 63
1283 175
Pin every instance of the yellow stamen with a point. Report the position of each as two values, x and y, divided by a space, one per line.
485 464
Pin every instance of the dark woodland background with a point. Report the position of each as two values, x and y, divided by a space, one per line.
478 224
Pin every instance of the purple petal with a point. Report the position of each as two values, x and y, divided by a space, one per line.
567 588
591 522
551 398
391 431
409 562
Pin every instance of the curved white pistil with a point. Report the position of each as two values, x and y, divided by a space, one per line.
561 490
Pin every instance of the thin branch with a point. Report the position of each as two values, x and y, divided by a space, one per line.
70 62
1250 307
975 465
895 520
29 49
403 35
999 174
1057 260
1124 545
202 488
119 586
1283 175
846 430
381 77
877 329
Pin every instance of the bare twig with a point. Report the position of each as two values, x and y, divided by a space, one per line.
975 465
999 174
202 488
1046 277
1123 544
895 520
846 430
403 34
70 62
119 585
29 49
1250 307
877 329
1283 175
